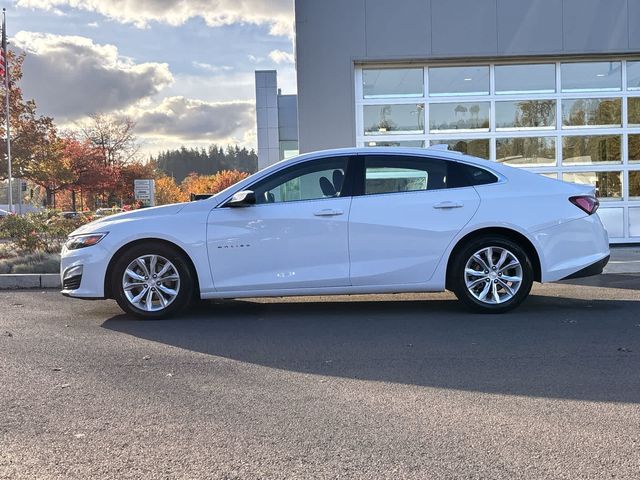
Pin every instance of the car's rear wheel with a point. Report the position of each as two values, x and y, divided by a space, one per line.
491 274
152 280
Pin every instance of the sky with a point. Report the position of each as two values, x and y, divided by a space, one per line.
182 69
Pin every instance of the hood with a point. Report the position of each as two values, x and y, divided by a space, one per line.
142 213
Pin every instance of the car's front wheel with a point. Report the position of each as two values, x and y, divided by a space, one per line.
491 274
152 280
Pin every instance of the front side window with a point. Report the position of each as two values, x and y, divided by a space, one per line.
312 180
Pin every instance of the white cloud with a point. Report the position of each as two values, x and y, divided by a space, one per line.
277 14
207 67
70 76
278 56
187 119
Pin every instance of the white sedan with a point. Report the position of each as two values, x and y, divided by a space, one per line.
350 221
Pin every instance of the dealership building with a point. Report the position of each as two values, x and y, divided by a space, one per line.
552 86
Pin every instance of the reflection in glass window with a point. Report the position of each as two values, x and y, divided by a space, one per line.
518 79
445 81
526 151
633 107
608 184
579 150
396 174
633 75
592 112
634 184
550 175
399 143
526 114
634 147
393 119
451 117
310 181
393 82
591 76
474 147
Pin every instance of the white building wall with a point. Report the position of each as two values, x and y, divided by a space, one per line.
267 118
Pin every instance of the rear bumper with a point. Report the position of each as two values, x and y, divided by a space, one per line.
595 268
572 247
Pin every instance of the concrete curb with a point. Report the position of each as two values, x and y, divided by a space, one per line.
30 280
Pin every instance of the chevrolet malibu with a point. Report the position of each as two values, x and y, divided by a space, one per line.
351 221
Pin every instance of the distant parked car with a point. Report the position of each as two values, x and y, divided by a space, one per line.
350 221
71 215
105 212
4 213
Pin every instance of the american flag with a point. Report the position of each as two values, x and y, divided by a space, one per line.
3 53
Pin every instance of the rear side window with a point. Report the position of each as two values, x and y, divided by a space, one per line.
463 175
397 174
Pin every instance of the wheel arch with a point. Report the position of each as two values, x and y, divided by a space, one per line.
509 233
107 283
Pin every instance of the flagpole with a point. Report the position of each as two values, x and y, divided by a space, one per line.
6 87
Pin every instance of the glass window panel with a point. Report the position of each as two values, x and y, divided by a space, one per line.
634 222
393 82
526 114
393 119
399 143
396 174
526 151
579 150
592 112
591 76
475 147
608 184
613 221
634 184
633 75
451 117
445 81
634 147
309 181
633 113
517 79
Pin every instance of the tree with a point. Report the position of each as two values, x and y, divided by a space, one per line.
128 173
212 183
34 146
113 136
168 191
88 173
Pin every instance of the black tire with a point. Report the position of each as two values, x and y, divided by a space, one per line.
186 286
456 276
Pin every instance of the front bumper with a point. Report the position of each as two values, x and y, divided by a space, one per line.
93 262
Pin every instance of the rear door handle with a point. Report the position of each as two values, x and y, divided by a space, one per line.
328 212
447 205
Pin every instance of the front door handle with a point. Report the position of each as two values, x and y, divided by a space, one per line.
447 205
328 212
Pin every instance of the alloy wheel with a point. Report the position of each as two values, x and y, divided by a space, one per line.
151 283
493 275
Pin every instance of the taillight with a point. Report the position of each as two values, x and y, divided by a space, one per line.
586 203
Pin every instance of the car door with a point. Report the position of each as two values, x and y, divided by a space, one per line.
295 236
404 218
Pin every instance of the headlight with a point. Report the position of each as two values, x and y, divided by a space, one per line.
82 241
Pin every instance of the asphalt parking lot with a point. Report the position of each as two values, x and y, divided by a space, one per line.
405 386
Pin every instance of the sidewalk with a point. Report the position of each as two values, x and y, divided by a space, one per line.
624 260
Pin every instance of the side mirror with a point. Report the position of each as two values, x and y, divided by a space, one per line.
244 198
